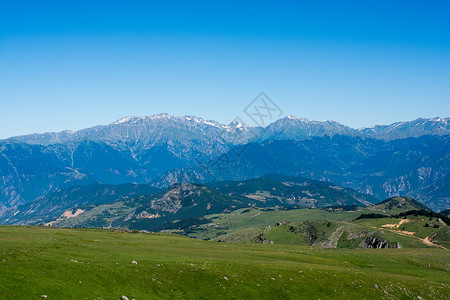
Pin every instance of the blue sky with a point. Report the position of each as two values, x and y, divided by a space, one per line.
75 64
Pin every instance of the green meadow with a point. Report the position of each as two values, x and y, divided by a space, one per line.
97 264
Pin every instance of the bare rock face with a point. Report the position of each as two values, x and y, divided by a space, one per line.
376 242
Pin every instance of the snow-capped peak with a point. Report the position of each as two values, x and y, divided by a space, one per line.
125 120
159 116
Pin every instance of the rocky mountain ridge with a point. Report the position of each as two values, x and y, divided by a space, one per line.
161 128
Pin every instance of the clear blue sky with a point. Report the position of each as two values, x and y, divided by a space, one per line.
75 64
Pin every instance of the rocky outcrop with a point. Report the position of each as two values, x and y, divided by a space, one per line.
261 239
376 242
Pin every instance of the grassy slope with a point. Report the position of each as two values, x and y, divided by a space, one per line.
234 226
414 224
326 233
442 237
42 261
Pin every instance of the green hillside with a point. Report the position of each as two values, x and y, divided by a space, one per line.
329 227
326 234
411 232
153 212
242 225
398 204
97 264
430 231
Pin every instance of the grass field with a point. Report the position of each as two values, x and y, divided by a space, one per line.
96 264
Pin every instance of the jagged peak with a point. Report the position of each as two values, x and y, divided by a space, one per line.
236 124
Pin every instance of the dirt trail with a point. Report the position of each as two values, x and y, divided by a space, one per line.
256 214
442 222
396 225
427 241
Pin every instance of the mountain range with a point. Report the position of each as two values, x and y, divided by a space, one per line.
404 158
137 132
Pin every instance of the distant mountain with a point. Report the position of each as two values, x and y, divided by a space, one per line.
416 128
51 206
273 189
140 133
410 158
293 128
